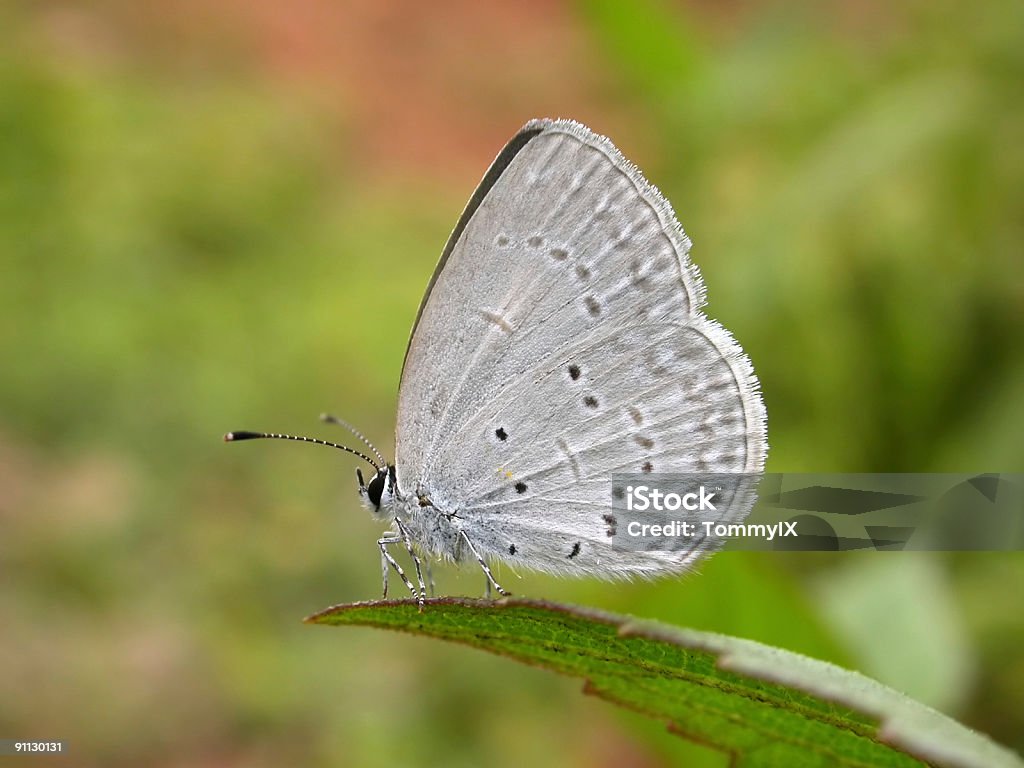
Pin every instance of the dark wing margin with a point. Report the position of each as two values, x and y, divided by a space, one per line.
529 131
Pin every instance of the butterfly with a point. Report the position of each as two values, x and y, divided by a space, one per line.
560 342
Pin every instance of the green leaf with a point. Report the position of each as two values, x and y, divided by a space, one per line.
763 706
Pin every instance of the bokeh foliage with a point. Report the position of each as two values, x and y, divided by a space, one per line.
185 252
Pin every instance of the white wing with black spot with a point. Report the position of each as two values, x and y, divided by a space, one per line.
561 341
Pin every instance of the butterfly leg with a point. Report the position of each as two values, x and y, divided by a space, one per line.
415 559
483 564
387 559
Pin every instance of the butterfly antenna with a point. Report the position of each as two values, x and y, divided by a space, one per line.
232 437
331 419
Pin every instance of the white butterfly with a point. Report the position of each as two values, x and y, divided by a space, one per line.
560 341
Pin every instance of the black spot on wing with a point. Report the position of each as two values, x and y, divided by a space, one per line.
574 372
511 549
575 550
501 434
520 487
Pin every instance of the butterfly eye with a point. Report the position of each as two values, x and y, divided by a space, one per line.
375 489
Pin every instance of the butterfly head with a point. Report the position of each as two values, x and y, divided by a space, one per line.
379 494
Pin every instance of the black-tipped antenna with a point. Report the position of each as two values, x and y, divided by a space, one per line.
331 419
232 437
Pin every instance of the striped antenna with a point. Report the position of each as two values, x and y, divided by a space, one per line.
232 437
331 419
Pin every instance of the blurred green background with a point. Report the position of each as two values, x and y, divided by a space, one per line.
222 216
